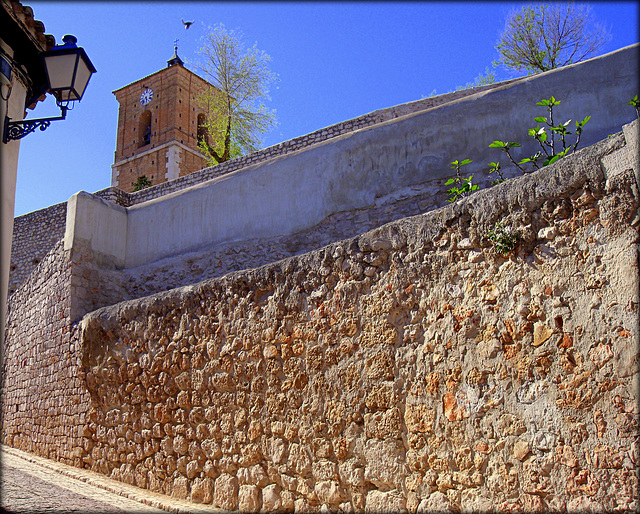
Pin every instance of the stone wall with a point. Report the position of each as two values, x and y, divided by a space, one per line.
44 401
412 367
34 235
97 286
409 368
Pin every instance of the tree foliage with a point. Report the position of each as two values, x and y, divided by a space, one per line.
543 37
635 103
489 77
466 185
549 152
142 183
236 117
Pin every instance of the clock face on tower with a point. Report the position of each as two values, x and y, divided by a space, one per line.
146 96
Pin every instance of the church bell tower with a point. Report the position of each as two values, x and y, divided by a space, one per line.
158 127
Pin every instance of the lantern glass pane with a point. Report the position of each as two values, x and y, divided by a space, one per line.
83 74
60 69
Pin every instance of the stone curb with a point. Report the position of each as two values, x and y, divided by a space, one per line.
156 500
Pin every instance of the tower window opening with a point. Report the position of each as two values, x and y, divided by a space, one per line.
144 126
203 134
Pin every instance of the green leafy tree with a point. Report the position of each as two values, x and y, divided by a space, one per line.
142 183
236 117
543 37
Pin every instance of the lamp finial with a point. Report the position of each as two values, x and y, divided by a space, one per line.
69 40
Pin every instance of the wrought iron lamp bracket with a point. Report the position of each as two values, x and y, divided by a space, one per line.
14 130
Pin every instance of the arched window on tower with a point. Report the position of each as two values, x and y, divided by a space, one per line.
203 134
144 129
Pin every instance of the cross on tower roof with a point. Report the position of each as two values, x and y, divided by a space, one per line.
175 59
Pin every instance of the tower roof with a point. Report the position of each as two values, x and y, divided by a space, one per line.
182 69
175 59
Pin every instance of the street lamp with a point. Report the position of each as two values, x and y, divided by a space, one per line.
68 72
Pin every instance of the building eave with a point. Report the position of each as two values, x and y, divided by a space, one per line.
25 36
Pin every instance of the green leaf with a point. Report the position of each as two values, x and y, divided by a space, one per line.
581 123
497 144
553 159
525 160
450 181
543 102
466 161
540 119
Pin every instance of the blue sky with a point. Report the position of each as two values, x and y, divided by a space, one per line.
335 61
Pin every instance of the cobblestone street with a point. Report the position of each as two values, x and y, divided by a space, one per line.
27 487
32 484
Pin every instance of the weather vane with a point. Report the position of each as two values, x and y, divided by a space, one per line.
175 43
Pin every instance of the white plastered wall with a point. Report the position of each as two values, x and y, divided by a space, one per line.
12 102
297 191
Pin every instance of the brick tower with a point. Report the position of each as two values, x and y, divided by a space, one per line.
158 123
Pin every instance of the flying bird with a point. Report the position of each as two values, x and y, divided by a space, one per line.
187 24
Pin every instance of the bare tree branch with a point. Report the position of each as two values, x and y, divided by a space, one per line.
543 37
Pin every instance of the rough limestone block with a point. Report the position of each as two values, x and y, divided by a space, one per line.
226 492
